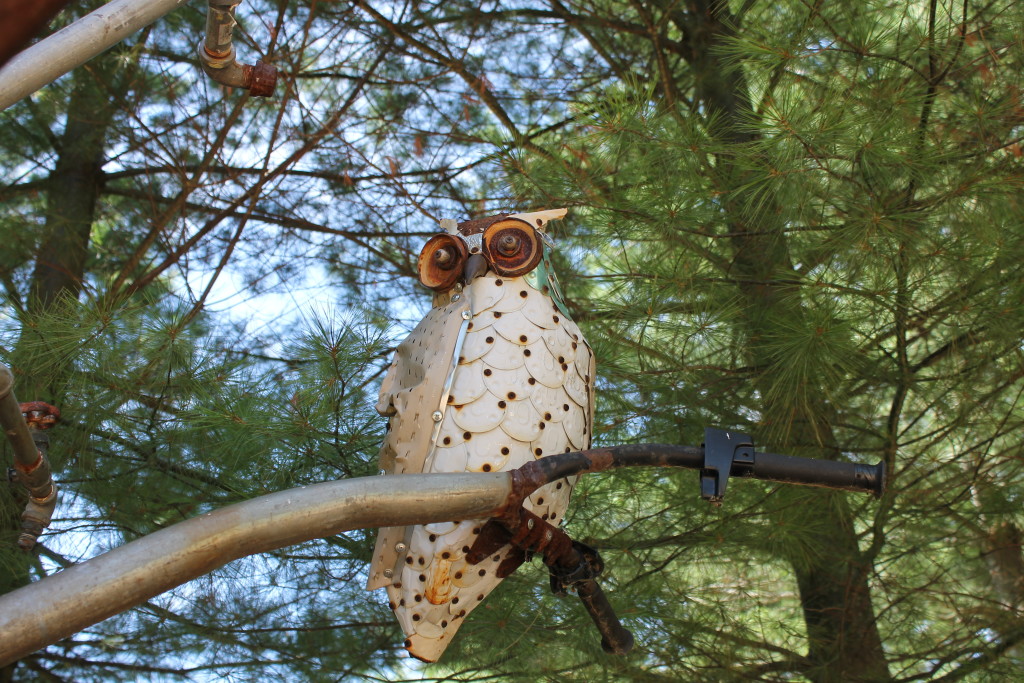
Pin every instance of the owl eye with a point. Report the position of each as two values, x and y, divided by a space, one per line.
441 260
508 244
444 258
512 247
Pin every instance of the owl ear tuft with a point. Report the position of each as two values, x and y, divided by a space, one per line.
539 219
450 226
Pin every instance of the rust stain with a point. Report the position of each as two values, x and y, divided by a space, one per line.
601 459
439 589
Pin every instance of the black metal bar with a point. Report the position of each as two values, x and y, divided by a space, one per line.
831 474
727 454
615 638
767 466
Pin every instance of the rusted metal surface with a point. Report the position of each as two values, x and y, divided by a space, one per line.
512 247
39 414
217 54
25 425
44 612
38 615
260 79
526 533
475 226
765 466
615 639
37 478
441 260
572 565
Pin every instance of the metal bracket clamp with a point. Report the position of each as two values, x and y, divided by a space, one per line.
724 451
438 415
572 565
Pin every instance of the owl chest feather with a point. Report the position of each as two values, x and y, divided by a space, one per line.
521 389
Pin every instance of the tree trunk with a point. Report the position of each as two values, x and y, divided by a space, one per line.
72 193
1002 547
843 639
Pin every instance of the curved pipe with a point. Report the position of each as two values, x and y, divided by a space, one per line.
13 422
217 54
42 613
60 605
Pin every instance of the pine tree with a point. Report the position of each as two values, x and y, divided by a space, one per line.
796 219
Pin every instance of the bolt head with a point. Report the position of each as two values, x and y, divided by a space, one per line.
437 416
388 573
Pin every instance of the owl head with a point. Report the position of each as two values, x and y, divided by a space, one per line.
504 246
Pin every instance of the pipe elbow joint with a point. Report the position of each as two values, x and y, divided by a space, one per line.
36 517
259 79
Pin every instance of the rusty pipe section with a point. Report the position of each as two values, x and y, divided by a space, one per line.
217 54
37 479
11 419
31 467
44 612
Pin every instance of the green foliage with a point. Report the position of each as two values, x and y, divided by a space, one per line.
797 219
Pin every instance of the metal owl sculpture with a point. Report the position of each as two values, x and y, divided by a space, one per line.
494 376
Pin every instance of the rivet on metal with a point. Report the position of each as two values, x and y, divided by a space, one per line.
400 547
529 524
388 573
466 315
437 416
456 297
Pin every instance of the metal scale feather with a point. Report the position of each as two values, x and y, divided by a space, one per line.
522 389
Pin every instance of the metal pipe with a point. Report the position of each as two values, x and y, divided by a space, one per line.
32 469
784 469
13 422
44 612
74 45
56 607
217 54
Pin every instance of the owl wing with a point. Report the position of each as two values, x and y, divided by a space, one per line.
412 390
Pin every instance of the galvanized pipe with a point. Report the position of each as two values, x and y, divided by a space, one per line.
74 45
42 613
217 54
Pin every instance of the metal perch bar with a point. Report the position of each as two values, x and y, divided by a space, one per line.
58 606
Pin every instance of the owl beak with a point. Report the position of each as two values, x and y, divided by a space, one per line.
476 265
